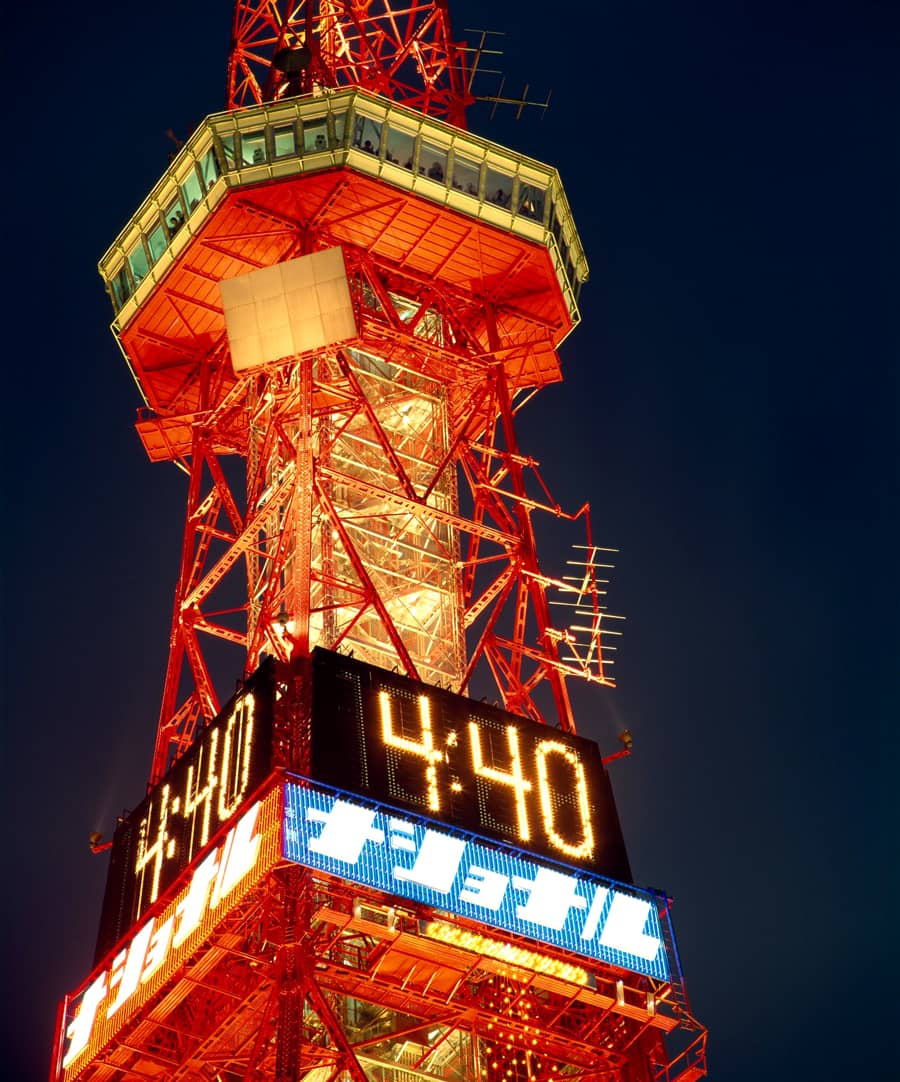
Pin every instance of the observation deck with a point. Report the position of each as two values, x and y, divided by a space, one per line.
490 229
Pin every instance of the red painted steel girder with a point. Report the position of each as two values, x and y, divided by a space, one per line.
401 50
498 290
502 590
265 996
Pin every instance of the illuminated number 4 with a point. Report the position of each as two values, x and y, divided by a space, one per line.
423 748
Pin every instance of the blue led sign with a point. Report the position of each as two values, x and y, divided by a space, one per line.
410 857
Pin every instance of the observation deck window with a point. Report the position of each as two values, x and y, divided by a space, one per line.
340 124
367 134
157 242
315 134
283 142
433 162
466 175
531 201
228 151
121 286
498 187
209 169
253 147
191 190
401 148
137 260
174 215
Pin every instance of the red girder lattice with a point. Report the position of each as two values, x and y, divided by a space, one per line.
401 51
271 995
287 424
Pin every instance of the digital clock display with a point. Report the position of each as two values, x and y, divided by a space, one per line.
464 763
155 843
381 735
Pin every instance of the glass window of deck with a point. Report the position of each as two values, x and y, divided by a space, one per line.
137 260
433 162
121 286
367 134
157 241
401 148
466 174
315 134
531 201
209 169
283 141
253 147
497 187
191 190
174 216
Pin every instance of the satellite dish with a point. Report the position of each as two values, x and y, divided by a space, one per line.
292 60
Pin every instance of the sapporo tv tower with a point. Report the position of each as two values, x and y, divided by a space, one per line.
333 302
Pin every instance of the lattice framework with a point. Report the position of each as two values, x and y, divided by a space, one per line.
401 51
351 510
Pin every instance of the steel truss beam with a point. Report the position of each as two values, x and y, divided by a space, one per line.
403 52
350 530
309 978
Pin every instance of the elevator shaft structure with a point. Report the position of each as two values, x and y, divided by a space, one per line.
334 303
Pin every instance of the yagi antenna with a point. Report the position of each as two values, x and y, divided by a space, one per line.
499 98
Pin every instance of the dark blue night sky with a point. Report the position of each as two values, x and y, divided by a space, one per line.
730 411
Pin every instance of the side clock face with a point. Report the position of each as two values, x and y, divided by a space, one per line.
178 817
465 764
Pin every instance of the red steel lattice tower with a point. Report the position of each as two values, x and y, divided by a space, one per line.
334 302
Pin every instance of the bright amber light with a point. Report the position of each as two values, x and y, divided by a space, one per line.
515 779
423 748
213 790
505 952
160 945
586 847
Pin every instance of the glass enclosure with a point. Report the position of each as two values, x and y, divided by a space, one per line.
368 134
